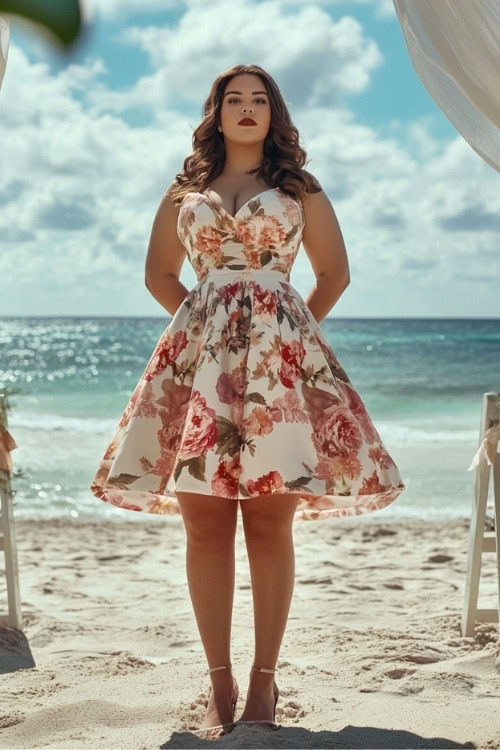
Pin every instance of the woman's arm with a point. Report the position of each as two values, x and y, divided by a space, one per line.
165 257
324 244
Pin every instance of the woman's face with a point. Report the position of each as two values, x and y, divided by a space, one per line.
245 96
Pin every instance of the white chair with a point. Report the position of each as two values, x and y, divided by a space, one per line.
13 617
480 539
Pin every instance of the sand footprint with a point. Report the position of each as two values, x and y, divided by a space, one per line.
13 717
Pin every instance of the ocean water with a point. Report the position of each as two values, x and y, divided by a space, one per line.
69 379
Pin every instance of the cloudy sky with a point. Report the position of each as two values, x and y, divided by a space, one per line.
90 143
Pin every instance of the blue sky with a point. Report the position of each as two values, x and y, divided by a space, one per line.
91 143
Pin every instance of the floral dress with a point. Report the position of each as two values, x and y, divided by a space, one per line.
242 395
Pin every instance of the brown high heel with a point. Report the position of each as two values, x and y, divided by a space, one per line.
272 723
233 707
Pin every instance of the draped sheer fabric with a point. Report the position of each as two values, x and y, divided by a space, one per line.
4 45
454 46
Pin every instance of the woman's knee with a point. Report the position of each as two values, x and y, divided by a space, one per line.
208 519
268 515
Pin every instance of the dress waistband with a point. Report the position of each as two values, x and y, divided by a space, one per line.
245 273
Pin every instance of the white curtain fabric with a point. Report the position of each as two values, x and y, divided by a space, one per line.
454 46
4 45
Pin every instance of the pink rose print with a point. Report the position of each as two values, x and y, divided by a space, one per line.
271 233
291 406
226 479
228 292
259 422
266 485
379 455
372 484
357 407
117 499
169 438
264 303
166 353
333 468
146 406
201 430
337 432
316 402
175 396
110 450
291 210
231 386
292 357
253 258
245 233
208 241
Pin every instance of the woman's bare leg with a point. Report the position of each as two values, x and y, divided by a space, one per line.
210 524
267 523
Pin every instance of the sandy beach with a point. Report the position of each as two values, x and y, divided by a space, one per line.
372 657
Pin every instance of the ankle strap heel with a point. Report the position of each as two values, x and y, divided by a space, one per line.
208 730
271 722
213 669
263 669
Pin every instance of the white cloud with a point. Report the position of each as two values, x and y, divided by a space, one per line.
81 185
107 9
78 184
314 68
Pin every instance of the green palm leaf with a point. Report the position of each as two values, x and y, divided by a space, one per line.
62 18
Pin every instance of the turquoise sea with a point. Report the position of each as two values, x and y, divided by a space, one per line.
422 381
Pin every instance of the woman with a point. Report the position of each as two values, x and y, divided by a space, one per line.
243 399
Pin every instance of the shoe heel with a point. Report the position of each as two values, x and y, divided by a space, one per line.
200 732
277 695
276 689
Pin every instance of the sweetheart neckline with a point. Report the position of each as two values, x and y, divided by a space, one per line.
254 197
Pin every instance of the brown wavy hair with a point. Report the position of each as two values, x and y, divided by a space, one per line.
283 158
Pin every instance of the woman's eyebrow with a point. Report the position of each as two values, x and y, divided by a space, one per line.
239 92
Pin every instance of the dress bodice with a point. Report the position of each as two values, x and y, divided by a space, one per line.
265 233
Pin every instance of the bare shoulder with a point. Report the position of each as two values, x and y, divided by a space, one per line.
167 202
167 212
322 237
170 188
317 196
318 208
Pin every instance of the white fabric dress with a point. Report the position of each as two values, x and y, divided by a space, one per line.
242 395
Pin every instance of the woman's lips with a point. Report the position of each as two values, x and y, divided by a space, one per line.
247 121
